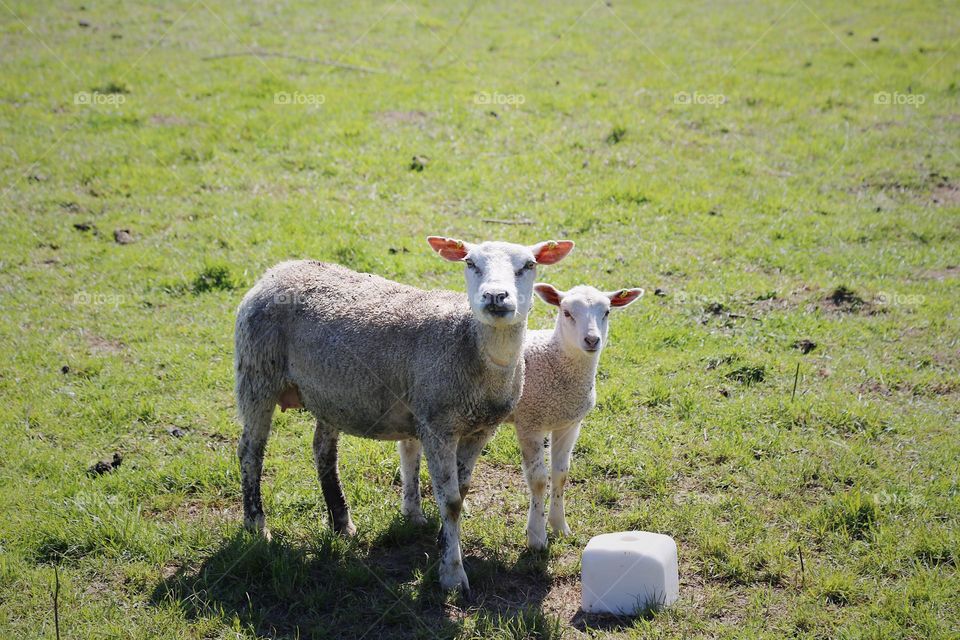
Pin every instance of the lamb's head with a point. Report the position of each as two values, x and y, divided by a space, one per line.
584 314
500 275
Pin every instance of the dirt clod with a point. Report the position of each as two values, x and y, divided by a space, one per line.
105 466
845 299
805 345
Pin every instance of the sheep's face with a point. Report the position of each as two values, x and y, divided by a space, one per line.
584 314
500 275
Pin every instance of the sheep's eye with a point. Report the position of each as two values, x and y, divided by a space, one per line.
530 265
606 313
566 314
472 265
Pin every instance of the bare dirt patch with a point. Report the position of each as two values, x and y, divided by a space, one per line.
946 195
99 344
950 271
403 117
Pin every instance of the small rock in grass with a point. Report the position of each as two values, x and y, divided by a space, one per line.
83 23
176 432
659 292
65 369
84 226
419 163
123 236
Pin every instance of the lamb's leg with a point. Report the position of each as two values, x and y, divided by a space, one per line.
535 472
410 477
561 446
440 450
325 454
257 418
468 450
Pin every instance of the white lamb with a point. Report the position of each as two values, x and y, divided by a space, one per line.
558 392
377 359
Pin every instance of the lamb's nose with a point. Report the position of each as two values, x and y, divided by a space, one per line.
592 342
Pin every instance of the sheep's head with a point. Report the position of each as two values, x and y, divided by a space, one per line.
584 314
500 275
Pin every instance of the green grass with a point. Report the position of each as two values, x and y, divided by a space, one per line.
740 158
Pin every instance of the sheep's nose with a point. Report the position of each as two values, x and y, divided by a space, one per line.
592 342
495 297
498 303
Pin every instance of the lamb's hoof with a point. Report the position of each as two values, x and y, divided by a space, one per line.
562 529
537 541
348 530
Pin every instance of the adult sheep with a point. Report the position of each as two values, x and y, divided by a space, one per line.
373 358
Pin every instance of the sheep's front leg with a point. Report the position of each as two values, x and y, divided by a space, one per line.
561 446
535 472
325 455
412 508
440 450
468 450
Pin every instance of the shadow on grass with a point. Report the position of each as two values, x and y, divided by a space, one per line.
339 589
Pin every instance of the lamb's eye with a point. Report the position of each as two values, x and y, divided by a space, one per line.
566 314
472 265
530 265
606 313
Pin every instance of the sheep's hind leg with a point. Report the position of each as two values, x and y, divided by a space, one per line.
561 446
412 508
441 454
325 454
256 418
535 472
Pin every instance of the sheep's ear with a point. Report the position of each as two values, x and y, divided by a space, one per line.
623 297
551 251
450 248
548 293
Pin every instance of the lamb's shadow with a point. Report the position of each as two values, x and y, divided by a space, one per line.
332 588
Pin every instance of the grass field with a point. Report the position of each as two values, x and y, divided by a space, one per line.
777 172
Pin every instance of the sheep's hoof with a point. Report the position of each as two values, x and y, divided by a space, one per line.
258 527
561 529
456 582
416 519
347 531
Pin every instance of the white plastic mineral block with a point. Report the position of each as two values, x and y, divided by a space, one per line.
630 571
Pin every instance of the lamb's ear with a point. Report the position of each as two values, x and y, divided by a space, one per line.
551 251
450 248
623 297
548 293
